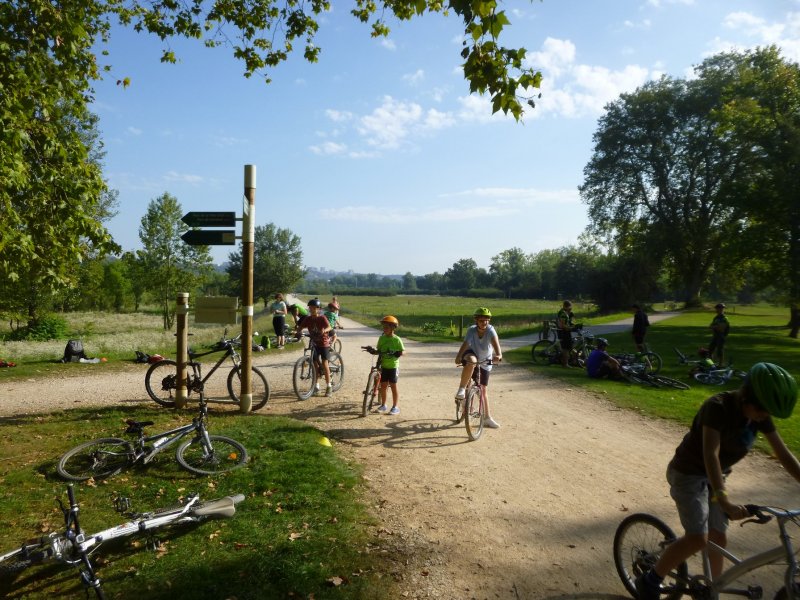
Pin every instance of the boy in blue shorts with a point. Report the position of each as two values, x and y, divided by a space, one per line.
391 349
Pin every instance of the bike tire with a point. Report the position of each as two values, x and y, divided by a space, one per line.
96 459
473 413
632 377
304 377
337 346
224 455
258 384
708 379
369 393
542 351
161 382
654 360
336 367
638 542
669 382
459 411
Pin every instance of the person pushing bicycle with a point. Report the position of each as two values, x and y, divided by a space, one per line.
721 434
318 328
481 343
565 322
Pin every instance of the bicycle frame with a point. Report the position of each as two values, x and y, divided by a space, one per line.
196 366
169 438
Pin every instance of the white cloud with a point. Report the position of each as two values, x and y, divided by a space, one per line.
658 3
328 148
338 116
134 130
414 78
785 33
388 44
175 177
518 196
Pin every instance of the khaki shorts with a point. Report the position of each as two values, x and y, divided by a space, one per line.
696 511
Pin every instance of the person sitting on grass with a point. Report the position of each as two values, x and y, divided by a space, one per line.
601 364
722 433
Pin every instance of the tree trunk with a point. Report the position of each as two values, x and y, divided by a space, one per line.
794 321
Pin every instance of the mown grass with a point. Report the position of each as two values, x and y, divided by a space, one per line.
758 333
300 527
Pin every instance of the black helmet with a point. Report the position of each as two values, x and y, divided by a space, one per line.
315 302
601 342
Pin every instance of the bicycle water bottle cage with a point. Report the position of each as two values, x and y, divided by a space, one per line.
122 504
137 427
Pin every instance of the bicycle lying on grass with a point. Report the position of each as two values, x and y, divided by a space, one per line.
305 373
202 454
641 539
472 409
711 375
73 546
161 380
638 372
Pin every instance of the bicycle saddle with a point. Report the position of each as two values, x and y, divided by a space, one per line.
136 426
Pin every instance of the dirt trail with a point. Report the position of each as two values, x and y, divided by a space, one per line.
528 511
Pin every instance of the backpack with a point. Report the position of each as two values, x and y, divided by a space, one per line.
73 352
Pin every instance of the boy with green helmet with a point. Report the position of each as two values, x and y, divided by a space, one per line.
722 433
481 343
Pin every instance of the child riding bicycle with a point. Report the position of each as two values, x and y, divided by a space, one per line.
318 328
481 343
722 433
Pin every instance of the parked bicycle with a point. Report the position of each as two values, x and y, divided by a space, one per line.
161 380
548 330
639 372
548 351
710 374
641 539
371 392
307 371
202 454
650 359
472 409
73 546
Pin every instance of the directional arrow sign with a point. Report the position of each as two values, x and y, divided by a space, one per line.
209 219
210 237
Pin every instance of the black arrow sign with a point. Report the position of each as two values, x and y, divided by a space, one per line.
209 219
202 237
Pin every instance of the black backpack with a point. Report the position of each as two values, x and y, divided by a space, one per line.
73 351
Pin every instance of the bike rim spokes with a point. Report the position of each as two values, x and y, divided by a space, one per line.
303 378
336 367
370 392
473 414
221 454
160 382
96 459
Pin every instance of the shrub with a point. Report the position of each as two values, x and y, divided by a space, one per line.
50 327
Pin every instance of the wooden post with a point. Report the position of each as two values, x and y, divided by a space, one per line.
181 353
248 243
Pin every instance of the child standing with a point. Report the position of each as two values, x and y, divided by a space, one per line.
391 349
318 328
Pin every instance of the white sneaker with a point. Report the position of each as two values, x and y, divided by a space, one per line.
491 423
328 389
461 394
316 388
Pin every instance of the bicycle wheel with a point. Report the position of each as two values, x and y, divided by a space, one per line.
459 410
709 378
370 392
336 366
259 386
473 413
98 459
161 382
653 361
639 541
220 455
337 345
669 382
304 377
543 351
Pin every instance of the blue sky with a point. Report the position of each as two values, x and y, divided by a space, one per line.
376 156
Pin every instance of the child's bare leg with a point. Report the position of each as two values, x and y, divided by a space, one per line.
395 394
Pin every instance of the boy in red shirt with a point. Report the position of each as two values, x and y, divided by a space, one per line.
318 328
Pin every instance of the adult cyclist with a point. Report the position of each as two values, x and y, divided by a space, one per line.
481 343
722 433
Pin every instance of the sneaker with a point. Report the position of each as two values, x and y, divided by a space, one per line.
382 408
461 394
394 411
316 388
328 389
491 423
646 590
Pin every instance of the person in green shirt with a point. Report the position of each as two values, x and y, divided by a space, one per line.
278 309
720 326
391 348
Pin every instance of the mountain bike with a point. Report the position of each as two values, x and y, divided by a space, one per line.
202 454
548 330
548 351
472 409
638 372
307 371
73 545
710 375
650 359
161 380
641 538
371 392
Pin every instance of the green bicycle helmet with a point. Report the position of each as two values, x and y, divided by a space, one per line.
482 311
774 389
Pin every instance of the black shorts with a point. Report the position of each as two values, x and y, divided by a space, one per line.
389 375
638 338
278 322
565 337
322 352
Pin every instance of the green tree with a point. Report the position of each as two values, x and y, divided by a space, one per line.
409 282
508 269
760 111
661 172
171 264
277 262
462 275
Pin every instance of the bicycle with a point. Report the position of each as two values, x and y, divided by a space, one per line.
548 330
305 375
373 382
202 454
641 538
650 359
639 372
161 380
548 351
710 375
472 409
73 546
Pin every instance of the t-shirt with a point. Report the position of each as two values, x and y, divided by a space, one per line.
720 325
316 325
722 412
390 343
564 319
640 322
332 318
481 346
302 311
595 361
278 305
